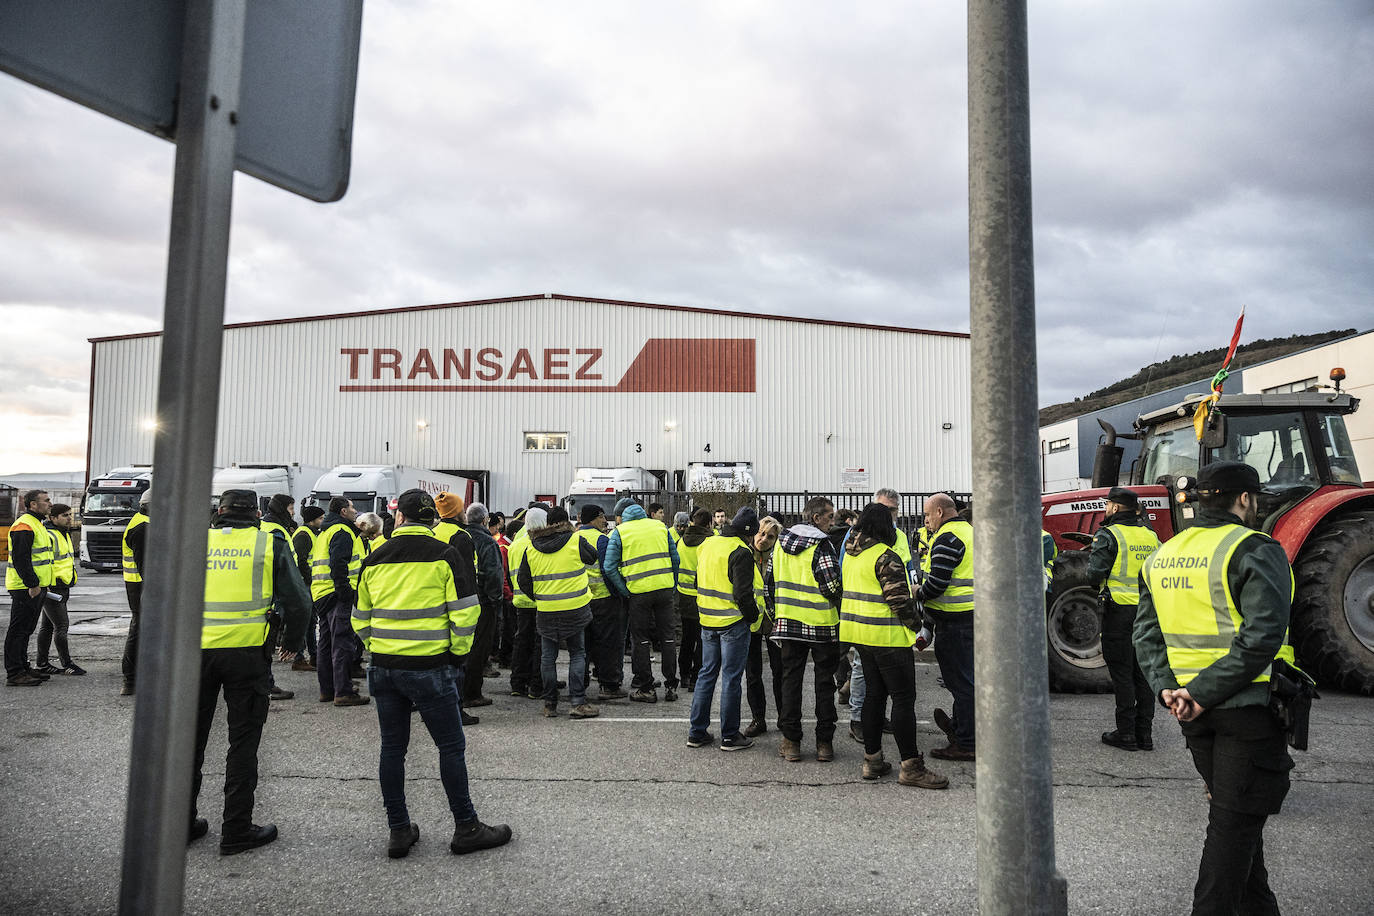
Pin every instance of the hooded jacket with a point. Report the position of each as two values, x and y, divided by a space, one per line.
340 555
892 576
695 534
825 568
612 565
740 568
551 539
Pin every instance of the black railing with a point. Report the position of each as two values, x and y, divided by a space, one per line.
787 506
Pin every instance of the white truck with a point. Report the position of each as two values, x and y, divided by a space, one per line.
376 487
267 480
604 486
111 500
726 475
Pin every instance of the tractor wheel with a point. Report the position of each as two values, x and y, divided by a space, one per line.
1073 622
1333 610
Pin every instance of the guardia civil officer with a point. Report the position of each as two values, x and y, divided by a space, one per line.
131 547
1212 621
1119 551
248 572
418 611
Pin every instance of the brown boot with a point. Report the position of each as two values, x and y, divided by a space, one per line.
825 751
789 750
875 766
914 773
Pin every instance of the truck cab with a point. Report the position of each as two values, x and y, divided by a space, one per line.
110 501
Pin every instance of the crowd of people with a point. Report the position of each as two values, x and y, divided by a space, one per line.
441 597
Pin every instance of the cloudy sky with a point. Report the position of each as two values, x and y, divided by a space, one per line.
804 158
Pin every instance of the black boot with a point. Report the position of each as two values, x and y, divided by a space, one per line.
1117 739
475 835
402 838
255 837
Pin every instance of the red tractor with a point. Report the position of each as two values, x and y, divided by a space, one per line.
1314 503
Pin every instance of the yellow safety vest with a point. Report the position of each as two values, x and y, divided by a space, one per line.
596 579
959 595
131 571
369 546
865 618
321 584
445 531
238 588
645 564
1187 580
514 553
716 605
41 555
413 608
559 579
64 558
276 526
1134 544
903 547
796 596
1054 552
687 560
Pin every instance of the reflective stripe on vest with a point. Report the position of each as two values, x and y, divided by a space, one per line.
1192 598
687 559
238 588
958 595
559 578
865 618
596 579
1134 544
514 553
716 605
645 564
40 554
796 596
274 526
445 531
64 558
131 572
321 582
413 608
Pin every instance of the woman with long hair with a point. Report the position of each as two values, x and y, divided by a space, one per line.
769 530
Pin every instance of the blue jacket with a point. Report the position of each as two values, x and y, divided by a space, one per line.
611 565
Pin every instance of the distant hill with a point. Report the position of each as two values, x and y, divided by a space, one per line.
1179 370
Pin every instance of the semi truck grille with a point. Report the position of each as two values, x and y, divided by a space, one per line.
104 546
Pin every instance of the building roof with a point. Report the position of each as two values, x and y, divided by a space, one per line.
563 298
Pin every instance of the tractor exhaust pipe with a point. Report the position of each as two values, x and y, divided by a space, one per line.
1107 461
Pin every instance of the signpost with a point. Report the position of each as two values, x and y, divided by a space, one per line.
267 90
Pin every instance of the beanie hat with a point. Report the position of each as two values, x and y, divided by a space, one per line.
536 518
310 513
590 513
745 522
278 504
450 505
556 515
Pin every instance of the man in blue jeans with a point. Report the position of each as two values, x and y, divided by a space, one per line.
417 629
729 587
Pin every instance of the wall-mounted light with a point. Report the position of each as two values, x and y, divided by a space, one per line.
669 425
946 425
148 424
422 425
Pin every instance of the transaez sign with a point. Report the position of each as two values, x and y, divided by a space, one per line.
681 364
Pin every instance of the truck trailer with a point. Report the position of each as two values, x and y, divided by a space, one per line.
267 480
376 487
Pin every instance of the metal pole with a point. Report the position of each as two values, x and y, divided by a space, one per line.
154 867
1016 871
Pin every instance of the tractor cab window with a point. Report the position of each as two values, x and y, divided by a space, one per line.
1170 451
1339 453
1276 446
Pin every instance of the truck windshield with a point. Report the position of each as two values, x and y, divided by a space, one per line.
576 501
124 501
1276 446
1169 453
1339 454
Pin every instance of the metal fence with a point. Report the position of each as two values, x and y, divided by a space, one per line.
786 507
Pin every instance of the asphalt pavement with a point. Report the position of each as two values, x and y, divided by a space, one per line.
616 815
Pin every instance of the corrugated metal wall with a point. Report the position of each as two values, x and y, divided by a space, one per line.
827 397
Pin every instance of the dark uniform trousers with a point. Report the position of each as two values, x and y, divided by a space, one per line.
129 663
653 616
606 641
1242 756
244 676
826 657
524 664
481 648
1135 701
24 614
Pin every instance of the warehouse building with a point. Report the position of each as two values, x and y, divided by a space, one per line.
522 391
1068 447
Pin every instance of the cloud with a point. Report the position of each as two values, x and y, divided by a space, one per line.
797 159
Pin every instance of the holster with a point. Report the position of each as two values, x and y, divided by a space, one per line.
1291 692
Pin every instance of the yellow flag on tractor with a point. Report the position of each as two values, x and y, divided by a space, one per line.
1208 404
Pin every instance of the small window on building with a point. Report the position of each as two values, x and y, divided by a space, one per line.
1293 387
1059 445
546 442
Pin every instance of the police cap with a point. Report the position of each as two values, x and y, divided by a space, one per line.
1228 477
238 501
1123 497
